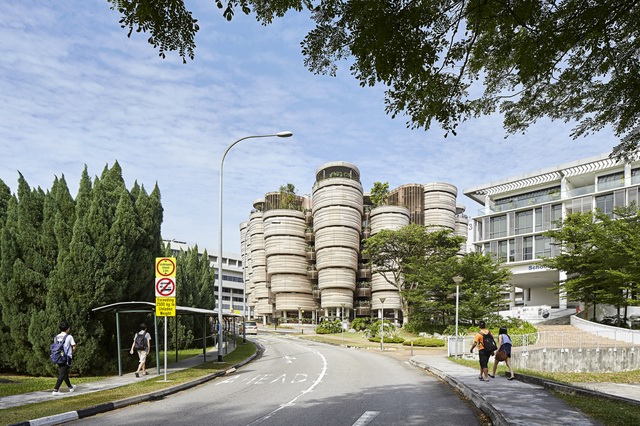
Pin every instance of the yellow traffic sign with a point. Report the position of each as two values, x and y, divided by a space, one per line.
166 306
165 267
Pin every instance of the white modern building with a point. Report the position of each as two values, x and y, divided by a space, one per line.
232 275
516 211
304 255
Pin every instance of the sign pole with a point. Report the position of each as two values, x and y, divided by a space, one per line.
166 296
165 349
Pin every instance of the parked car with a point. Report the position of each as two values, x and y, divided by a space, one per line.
252 327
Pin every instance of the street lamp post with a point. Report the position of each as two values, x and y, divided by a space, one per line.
382 299
279 135
244 292
457 279
342 321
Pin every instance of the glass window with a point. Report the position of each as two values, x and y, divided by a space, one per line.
543 247
527 248
605 204
498 226
613 180
538 218
524 222
502 251
556 214
512 250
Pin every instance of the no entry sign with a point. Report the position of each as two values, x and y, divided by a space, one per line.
165 287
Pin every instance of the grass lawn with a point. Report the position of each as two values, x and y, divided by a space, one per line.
80 401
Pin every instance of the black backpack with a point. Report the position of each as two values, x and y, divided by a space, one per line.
488 342
141 342
58 355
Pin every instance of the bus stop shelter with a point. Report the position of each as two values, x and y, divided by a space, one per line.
150 308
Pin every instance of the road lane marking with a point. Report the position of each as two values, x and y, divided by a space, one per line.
309 389
289 359
366 418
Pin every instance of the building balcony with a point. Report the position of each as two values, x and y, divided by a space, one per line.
363 310
312 274
363 292
311 256
309 236
364 272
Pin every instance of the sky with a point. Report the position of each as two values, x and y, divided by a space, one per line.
76 92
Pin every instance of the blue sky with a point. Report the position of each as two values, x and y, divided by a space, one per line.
75 91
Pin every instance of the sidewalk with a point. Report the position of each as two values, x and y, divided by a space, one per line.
104 384
513 402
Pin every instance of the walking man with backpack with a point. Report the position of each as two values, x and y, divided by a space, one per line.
142 344
486 346
62 351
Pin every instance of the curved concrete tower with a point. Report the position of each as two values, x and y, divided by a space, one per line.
337 205
285 249
440 205
260 290
393 218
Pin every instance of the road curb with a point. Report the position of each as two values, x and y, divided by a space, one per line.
477 399
151 396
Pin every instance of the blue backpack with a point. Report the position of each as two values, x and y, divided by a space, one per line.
58 355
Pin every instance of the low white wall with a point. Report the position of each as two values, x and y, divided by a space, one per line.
616 333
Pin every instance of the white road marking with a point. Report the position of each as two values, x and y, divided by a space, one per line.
289 359
309 389
366 418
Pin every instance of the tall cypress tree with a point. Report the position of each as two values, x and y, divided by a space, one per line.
59 216
25 291
5 196
148 246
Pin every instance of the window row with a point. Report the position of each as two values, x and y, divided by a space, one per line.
517 223
521 248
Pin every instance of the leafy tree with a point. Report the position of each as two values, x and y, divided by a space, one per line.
433 298
288 198
565 59
398 255
379 193
600 255
484 283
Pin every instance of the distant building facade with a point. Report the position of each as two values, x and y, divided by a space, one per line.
304 256
516 211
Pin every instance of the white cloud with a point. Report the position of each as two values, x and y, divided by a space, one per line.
74 90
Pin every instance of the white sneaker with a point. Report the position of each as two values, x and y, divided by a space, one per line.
72 388
56 393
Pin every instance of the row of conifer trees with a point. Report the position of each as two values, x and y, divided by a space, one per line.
61 256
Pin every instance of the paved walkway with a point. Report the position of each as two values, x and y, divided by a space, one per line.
512 402
104 384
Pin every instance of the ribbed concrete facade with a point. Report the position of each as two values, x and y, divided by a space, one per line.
392 218
258 284
285 250
304 255
337 205
440 205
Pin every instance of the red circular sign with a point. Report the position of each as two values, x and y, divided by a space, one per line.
165 287
165 267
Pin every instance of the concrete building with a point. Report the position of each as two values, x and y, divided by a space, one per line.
516 211
304 255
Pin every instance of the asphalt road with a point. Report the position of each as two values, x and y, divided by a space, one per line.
297 382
